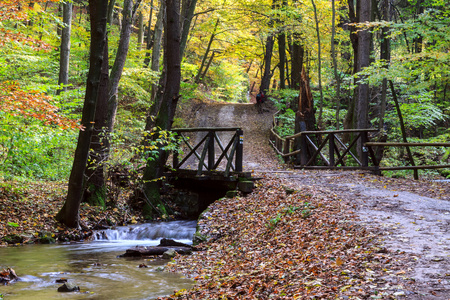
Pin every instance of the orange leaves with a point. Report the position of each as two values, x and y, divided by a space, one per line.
17 9
8 36
34 104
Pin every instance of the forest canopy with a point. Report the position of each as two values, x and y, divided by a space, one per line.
232 49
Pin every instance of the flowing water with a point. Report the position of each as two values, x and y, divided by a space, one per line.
94 266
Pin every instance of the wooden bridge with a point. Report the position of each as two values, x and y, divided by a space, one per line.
210 163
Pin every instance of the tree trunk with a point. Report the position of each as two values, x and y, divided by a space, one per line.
95 187
170 91
110 14
298 53
149 37
305 119
282 54
208 64
267 75
129 13
69 213
402 127
208 48
385 56
350 118
60 14
140 39
335 69
187 15
362 105
320 64
65 48
106 113
363 62
156 55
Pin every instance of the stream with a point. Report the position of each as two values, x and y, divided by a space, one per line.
94 266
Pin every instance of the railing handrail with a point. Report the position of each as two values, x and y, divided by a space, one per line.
399 144
330 131
197 129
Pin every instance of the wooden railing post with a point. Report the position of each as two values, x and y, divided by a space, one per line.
364 149
211 153
304 150
286 150
239 150
331 145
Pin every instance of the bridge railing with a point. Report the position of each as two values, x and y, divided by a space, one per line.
412 166
204 151
326 149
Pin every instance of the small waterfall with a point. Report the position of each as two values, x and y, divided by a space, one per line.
177 230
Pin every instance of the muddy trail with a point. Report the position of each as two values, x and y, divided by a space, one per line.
411 218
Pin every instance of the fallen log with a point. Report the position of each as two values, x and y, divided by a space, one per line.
140 251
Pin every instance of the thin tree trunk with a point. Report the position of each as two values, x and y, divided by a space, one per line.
110 14
402 127
384 55
60 14
149 37
140 39
320 64
350 117
208 48
335 69
187 15
129 13
69 213
282 55
65 47
362 105
208 64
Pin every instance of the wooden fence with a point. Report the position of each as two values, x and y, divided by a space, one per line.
327 149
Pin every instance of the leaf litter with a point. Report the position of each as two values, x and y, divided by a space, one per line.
279 243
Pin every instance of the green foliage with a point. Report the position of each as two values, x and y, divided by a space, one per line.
228 82
135 87
283 99
189 91
286 123
31 150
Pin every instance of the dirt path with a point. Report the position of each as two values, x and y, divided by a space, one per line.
411 217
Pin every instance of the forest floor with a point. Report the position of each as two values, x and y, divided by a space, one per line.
299 235
317 234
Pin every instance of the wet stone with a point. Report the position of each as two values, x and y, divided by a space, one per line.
68 287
